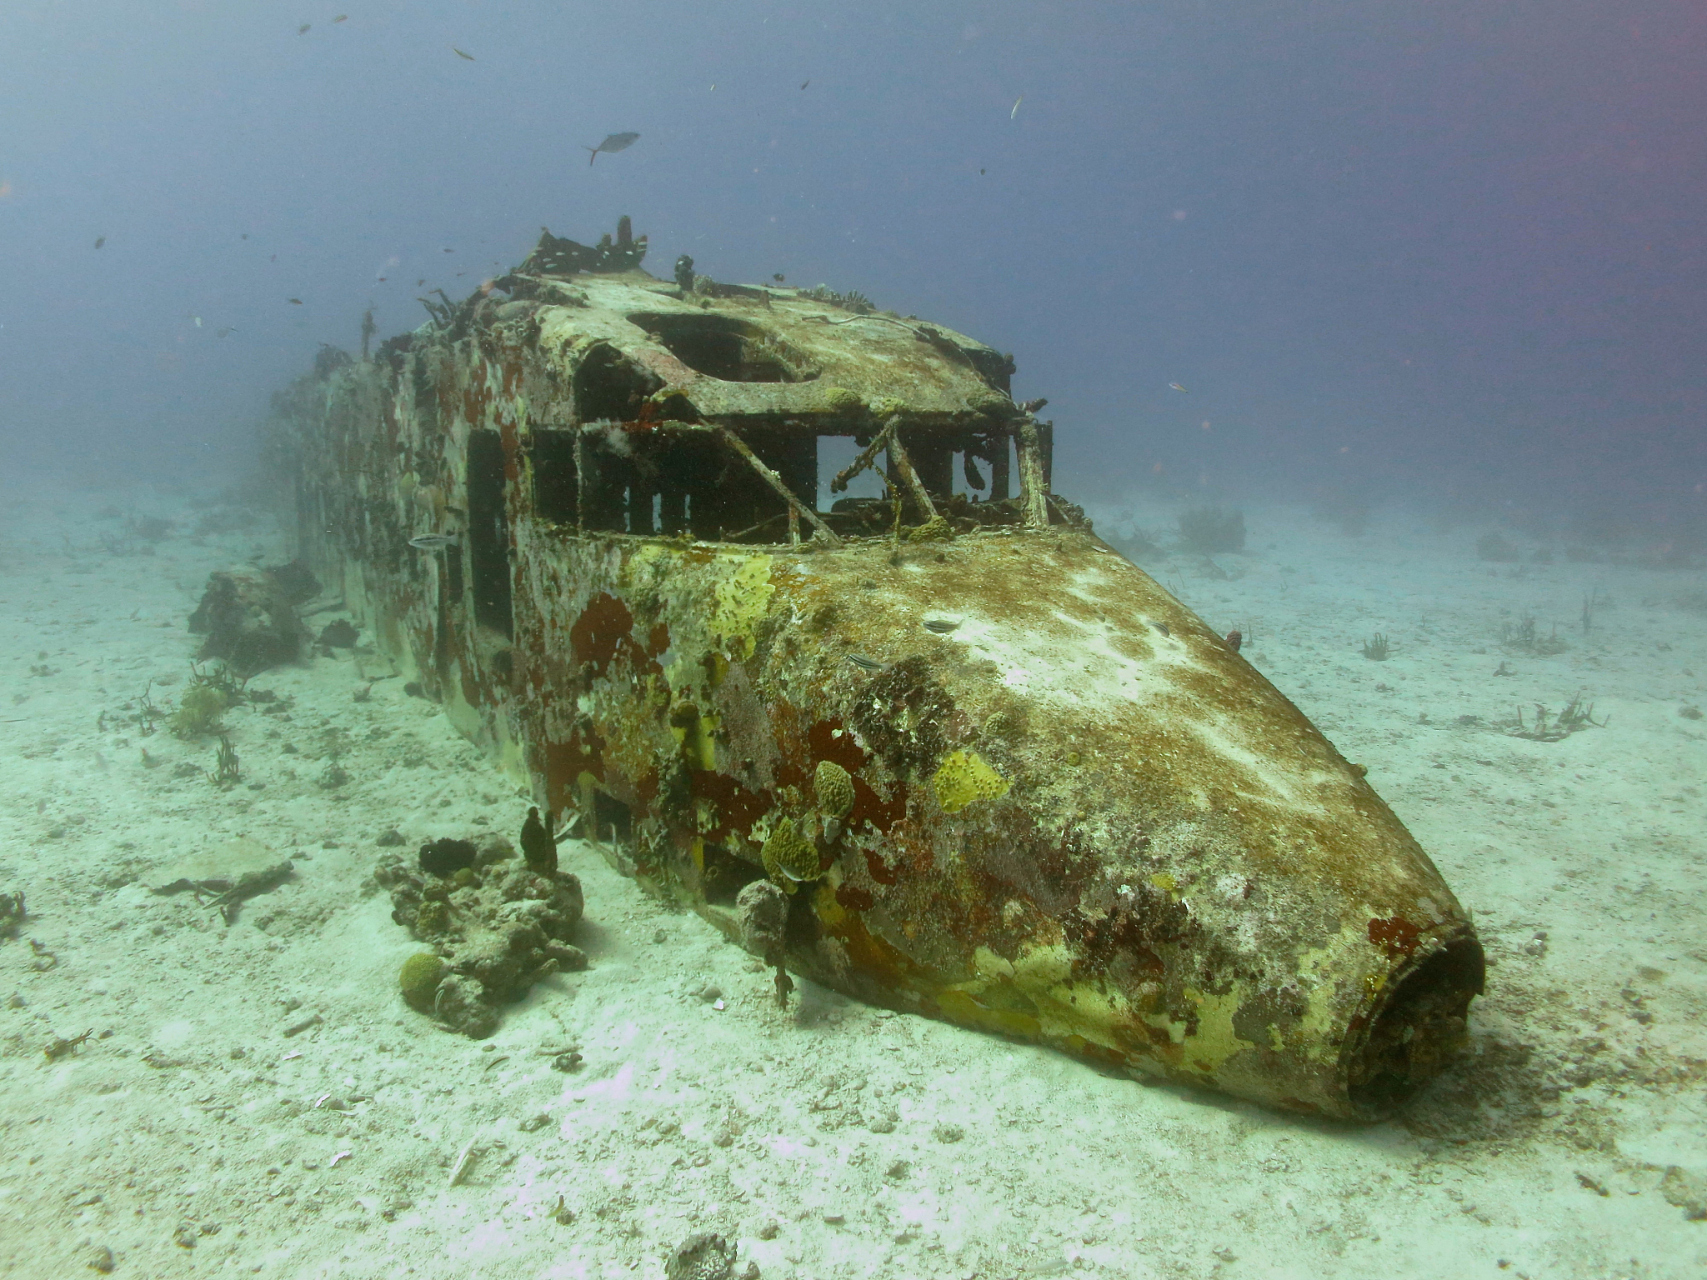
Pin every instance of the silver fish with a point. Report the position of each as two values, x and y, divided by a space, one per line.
433 541
614 142
864 663
941 626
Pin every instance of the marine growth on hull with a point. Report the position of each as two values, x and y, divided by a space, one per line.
766 592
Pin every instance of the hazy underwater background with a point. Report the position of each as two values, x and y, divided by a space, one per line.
1450 253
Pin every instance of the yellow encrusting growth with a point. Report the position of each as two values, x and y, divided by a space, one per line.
964 777
738 602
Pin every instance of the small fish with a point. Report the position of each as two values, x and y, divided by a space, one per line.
1015 111
220 333
433 541
804 83
864 663
99 241
778 277
303 29
615 142
1176 386
941 626
295 302
459 53
198 321
342 17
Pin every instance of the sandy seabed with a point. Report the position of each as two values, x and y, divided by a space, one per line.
255 1098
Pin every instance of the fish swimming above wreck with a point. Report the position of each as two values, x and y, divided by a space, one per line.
613 142
941 749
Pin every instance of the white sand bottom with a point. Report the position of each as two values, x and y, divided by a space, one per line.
190 1135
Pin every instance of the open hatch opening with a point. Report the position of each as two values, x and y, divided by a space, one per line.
1419 1028
727 349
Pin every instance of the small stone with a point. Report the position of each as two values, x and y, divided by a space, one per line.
533 1123
948 1133
185 1236
768 1230
659 936
101 1259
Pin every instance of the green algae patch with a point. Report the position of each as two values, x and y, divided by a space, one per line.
420 979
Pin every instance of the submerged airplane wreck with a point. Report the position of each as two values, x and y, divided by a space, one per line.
940 748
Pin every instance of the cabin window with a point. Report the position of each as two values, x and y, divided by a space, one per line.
488 533
553 456
652 478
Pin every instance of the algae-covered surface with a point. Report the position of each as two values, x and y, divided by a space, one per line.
256 1096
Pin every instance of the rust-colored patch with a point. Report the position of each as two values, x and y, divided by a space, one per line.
472 691
879 869
1397 935
1123 943
852 897
565 762
657 640
602 629
737 808
870 807
830 740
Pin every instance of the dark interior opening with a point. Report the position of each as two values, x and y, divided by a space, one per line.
1420 1028
554 494
488 533
652 483
726 875
609 387
728 349
800 930
613 821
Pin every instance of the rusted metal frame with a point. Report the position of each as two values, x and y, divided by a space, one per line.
867 455
904 465
796 510
583 488
1033 487
1000 464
